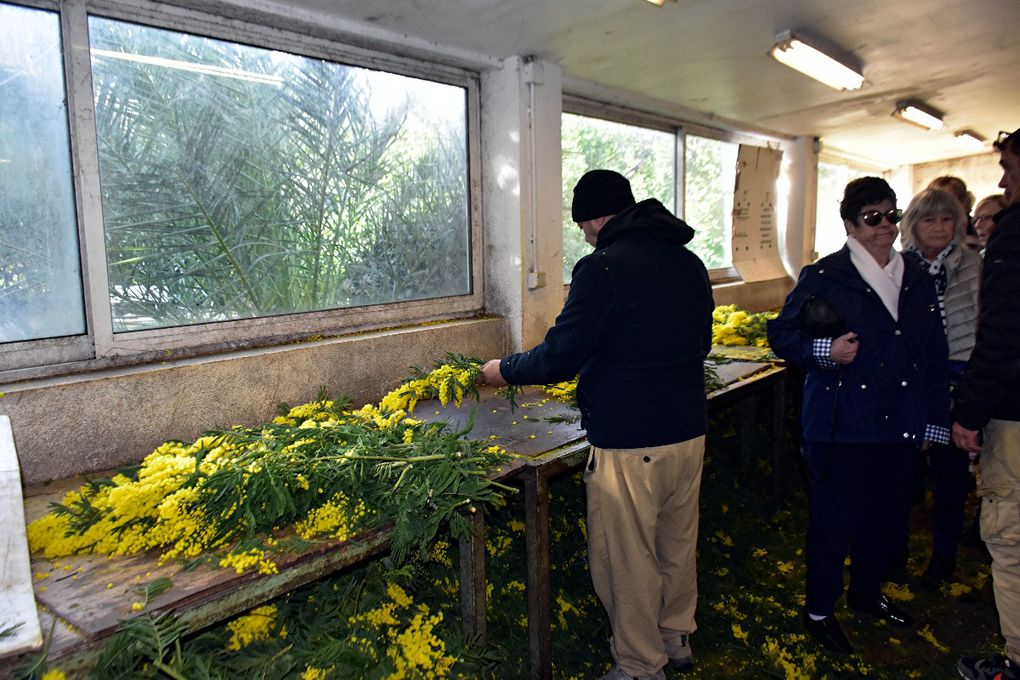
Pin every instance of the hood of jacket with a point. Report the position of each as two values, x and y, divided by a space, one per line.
649 217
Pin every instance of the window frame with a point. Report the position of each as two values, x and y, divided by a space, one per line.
99 346
680 128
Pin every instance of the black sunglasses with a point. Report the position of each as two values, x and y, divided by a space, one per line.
873 218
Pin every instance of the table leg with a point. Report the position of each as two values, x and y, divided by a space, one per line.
536 521
746 409
778 435
472 579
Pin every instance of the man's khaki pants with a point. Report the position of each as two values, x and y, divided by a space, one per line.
642 535
1000 523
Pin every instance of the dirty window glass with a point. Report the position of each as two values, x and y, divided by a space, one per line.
40 267
242 182
710 176
644 156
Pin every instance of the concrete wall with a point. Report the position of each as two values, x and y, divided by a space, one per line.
79 424
981 173
760 296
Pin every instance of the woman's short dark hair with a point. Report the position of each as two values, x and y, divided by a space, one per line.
864 191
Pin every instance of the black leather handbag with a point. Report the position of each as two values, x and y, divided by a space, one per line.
820 320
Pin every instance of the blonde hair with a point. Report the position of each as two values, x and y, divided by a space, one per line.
929 203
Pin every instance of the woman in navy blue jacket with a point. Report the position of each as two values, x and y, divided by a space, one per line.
863 323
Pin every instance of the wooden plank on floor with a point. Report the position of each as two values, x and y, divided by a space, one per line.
19 622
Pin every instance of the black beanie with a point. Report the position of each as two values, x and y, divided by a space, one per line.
599 193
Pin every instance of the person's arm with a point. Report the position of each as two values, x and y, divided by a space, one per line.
789 341
572 340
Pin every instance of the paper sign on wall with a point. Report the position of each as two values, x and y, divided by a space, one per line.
755 240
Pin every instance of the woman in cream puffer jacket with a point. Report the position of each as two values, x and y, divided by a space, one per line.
933 229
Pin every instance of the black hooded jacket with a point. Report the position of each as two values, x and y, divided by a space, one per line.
988 388
636 327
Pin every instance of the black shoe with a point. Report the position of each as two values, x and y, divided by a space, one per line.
680 656
940 570
882 608
991 668
827 632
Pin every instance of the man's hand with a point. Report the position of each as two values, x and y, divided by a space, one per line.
966 439
844 348
491 374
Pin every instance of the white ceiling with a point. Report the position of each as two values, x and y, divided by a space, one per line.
961 56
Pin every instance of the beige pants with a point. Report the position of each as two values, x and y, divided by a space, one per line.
642 535
1000 523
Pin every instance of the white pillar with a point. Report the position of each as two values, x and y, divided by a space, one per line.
521 108
799 239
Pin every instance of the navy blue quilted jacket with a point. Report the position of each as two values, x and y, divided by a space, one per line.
636 327
899 382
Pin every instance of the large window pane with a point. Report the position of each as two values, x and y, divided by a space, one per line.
40 268
240 182
646 157
711 174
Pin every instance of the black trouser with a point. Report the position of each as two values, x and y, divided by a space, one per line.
860 504
950 477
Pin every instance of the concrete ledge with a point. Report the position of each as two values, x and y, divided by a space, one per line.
758 296
86 423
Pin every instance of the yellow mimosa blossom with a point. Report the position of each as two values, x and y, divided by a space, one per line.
733 326
339 518
252 559
257 625
928 635
897 592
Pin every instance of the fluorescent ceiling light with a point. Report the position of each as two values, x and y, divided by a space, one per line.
970 140
796 53
205 69
919 113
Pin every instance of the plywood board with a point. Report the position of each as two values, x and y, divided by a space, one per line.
525 430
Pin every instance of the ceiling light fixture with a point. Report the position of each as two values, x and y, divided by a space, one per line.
795 52
919 113
970 140
657 2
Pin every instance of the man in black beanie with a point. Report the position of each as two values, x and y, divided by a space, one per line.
636 329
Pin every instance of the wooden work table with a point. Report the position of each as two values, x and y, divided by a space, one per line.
84 597
553 450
